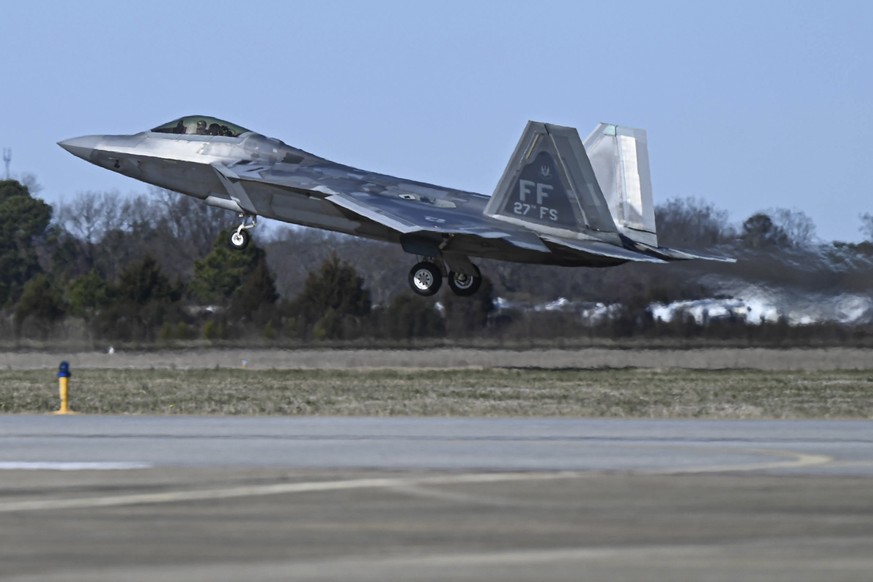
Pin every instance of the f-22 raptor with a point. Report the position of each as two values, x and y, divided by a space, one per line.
559 202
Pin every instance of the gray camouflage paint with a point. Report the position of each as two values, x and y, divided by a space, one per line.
548 207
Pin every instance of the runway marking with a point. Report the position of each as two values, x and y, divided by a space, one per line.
418 490
791 460
69 466
276 489
758 559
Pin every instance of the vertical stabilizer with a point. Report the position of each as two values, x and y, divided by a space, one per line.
550 187
620 159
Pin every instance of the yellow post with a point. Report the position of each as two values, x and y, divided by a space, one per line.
64 385
64 388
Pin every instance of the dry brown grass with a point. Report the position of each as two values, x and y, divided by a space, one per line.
552 358
670 393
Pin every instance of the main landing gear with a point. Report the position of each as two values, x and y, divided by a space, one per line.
240 238
426 278
463 284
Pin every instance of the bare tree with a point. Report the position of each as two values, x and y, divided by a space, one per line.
796 224
90 215
692 222
866 227
192 222
114 230
29 180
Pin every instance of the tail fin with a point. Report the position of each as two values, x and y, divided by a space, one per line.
550 187
620 159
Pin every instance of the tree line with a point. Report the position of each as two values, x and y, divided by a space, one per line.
156 267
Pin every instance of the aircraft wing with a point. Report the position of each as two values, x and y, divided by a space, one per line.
419 212
405 218
405 207
413 215
408 216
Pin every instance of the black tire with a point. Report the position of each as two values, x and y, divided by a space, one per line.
425 279
465 285
239 240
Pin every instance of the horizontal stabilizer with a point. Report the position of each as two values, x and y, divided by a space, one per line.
669 254
602 249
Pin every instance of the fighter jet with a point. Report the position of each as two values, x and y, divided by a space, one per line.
559 202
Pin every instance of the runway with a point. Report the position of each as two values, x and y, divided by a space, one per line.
443 444
218 498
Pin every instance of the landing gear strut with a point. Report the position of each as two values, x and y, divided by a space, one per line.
240 238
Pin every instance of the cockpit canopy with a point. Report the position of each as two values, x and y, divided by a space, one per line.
200 125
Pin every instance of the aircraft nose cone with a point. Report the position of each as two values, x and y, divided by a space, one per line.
81 146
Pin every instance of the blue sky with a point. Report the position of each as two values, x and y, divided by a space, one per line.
748 105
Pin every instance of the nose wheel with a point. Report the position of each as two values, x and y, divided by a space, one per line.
240 238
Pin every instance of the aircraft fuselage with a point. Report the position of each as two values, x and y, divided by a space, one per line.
555 203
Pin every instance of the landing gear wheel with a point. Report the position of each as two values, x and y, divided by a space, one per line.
425 278
465 285
239 239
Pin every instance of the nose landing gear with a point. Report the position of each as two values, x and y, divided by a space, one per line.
240 238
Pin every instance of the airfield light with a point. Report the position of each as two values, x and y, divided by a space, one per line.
64 387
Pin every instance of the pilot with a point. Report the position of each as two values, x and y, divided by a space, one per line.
180 127
201 128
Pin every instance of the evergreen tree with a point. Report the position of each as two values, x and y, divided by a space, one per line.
218 275
337 286
759 231
142 282
22 219
257 295
467 316
40 303
410 316
333 300
142 301
87 294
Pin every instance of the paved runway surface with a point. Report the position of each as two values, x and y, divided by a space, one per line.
197 498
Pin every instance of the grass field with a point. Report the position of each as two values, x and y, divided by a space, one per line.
704 358
625 392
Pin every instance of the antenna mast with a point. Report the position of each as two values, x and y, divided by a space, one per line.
7 157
